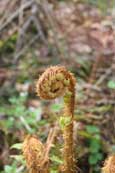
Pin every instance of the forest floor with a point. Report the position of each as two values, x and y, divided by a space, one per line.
37 34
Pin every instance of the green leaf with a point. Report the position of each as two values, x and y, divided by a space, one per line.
56 159
17 146
18 158
99 156
8 169
56 107
64 121
94 158
111 84
92 129
85 134
54 171
97 137
42 122
94 146
113 149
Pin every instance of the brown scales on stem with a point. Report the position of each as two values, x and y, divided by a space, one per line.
54 82
109 165
34 152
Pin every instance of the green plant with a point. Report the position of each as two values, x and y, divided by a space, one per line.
8 45
94 144
17 112
18 163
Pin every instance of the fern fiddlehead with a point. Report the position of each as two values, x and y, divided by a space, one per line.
54 82
33 152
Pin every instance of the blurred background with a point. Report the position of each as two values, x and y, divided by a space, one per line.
36 34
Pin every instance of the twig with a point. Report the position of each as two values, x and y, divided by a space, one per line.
108 71
8 6
49 142
105 102
88 86
25 48
54 26
39 29
25 124
23 31
15 14
104 76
